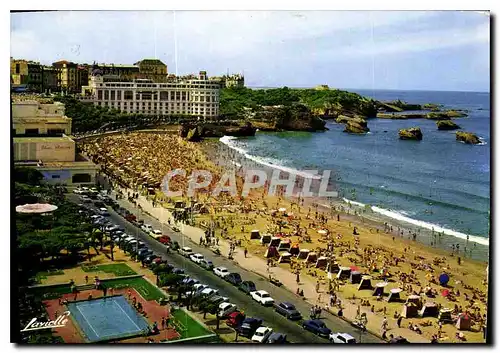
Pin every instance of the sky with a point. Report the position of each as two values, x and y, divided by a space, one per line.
406 50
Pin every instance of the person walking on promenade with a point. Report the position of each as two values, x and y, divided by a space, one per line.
245 252
400 319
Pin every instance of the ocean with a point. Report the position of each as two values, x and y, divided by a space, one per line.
437 183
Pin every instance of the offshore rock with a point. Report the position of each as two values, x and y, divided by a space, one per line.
446 125
413 133
467 137
356 126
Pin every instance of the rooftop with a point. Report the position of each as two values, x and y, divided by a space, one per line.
42 139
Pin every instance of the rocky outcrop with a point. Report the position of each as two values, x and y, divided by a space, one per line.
196 132
446 115
356 126
467 137
446 125
296 117
413 133
432 106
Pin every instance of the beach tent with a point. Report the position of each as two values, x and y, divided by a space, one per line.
303 254
285 257
366 283
355 277
409 310
445 315
332 267
464 322
255 234
344 273
271 252
322 262
444 279
311 257
275 241
415 299
394 295
379 289
295 249
265 239
285 244
430 309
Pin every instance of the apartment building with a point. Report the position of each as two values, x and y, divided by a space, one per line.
71 76
196 97
26 75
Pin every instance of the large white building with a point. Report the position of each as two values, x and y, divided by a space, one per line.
197 97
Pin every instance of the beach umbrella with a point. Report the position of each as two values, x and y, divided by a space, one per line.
443 279
445 292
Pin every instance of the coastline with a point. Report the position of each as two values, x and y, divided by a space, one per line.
440 239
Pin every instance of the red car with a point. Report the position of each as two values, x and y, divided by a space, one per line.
164 239
130 217
235 319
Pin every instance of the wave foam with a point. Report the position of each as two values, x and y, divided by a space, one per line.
228 141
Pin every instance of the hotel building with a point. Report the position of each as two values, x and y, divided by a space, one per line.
196 97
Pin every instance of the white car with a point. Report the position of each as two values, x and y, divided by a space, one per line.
226 309
221 271
197 258
208 292
155 233
262 334
197 288
147 228
263 297
185 251
78 191
337 337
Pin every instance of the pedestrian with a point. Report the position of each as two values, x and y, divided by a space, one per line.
86 279
384 323
317 287
245 252
400 319
129 294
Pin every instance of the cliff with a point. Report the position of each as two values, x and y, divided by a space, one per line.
446 125
467 137
296 117
413 133
196 132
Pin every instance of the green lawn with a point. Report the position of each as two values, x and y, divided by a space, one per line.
117 269
146 289
51 292
187 326
44 274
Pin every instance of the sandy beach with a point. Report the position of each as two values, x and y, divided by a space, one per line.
344 235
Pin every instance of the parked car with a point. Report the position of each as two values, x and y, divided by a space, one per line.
217 299
248 326
262 297
147 228
221 271
196 258
178 271
338 337
207 264
208 292
155 233
185 251
235 319
247 287
317 326
261 334
175 245
130 217
288 310
78 191
233 278
226 309
276 337
86 199
164 239
190 281
148 260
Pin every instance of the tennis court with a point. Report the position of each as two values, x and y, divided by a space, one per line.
107 318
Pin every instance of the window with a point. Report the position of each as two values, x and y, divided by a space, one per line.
106 95
163 96
129 95
112 95
99 94
18 68
55 176
81 178
31 132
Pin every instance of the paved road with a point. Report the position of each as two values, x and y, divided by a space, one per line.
242 301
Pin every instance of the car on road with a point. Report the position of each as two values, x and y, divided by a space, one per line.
317 327
234 278
86 199
339 337
217 299
103 211
185 251
248 326
262 297
235 319
147 228
164 239
277 337
155 233
178 271
221 271
208 292
261 334
247 287
288 310
78 191
148 260
207 264
196 258
226 309
190 281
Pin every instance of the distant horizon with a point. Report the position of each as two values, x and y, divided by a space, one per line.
366 89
